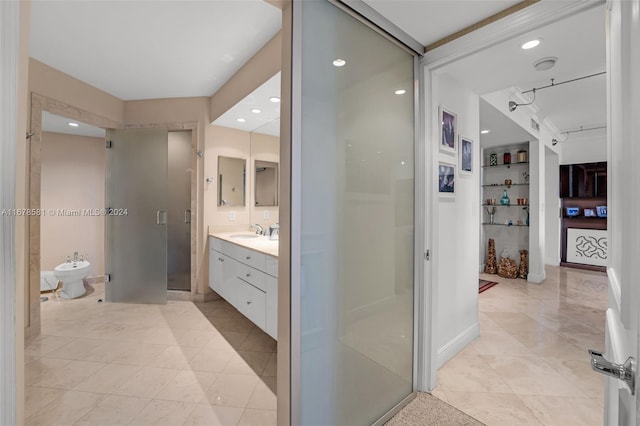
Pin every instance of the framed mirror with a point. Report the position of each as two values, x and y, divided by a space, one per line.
232 179
266 183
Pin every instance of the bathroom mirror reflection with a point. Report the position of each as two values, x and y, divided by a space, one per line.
266 182
231 181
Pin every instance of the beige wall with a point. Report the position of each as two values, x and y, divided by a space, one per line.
73 178
54 84
260 68
227 142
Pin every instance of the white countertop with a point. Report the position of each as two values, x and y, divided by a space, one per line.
260 243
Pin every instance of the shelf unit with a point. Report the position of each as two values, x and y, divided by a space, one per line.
515 236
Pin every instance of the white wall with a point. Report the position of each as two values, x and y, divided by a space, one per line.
590 148
552 220
456 236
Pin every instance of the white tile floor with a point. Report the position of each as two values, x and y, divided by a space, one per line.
530 366
205 364
118 364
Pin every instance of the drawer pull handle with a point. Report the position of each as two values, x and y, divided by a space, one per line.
221 259
249 274
248 257
248 302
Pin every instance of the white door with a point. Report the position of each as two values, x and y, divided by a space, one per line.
622 320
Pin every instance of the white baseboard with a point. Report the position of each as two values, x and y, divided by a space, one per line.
536 278
457 344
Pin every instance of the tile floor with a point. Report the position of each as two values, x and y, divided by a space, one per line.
530 366
205 364
177 364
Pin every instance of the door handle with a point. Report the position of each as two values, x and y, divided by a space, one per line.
625 372
187 216
161 217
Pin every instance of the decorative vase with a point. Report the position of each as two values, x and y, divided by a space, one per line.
493 159
524 264
490 265
505 201
522 156
507 158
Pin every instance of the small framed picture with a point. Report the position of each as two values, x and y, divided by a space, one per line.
448 130
446 179
466 156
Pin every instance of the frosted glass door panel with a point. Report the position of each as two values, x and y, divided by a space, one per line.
136 231
357 220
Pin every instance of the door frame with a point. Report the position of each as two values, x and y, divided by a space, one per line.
525 20
40 103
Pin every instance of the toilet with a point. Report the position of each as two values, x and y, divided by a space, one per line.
72 275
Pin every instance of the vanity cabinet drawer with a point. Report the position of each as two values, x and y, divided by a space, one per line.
250 257
251 303
251 275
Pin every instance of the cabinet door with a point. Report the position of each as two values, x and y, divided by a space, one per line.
216 265
230 280
272 307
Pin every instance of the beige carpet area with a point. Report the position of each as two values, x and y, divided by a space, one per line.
427 410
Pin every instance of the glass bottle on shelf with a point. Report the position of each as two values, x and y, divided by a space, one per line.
505 201
493 159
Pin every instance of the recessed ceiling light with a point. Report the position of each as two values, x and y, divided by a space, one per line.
545 63
72 124
240 120
256 110
485 131
402 162
401 92
531 44
274 99
339 62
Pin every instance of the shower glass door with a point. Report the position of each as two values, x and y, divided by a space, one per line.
352 346
136 217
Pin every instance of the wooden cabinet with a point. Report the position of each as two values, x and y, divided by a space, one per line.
248 280
583 180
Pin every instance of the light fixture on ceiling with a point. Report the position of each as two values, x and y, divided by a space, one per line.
256 110
545 63
72 124
274 99
401 92
240 120
339 62
513 105
531 44
485 131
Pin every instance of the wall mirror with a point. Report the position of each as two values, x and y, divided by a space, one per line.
232 178
266 182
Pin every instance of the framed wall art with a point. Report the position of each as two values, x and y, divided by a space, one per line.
448 130
466 156
446 179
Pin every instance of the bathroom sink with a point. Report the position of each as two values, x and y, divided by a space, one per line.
244 236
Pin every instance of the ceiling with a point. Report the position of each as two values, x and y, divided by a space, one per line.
503 130
428 21
266 121
183 48
579 44
151 49
57 124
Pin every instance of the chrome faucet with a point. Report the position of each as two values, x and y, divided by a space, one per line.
259 229
75 256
